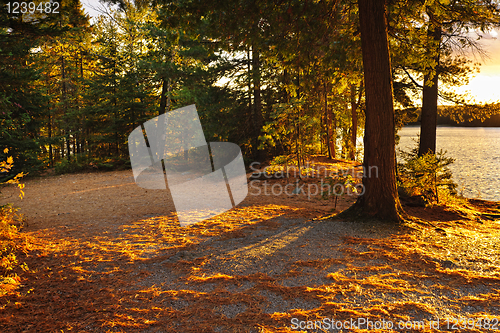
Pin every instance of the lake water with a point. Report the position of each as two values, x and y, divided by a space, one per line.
476 151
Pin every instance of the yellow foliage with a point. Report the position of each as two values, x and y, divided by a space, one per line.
6 166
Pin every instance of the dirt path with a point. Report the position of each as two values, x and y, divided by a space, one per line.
109 256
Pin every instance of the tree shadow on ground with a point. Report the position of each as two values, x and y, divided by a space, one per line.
251 269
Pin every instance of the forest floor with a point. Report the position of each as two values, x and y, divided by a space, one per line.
107 256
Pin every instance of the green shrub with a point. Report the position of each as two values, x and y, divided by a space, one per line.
82 163
115 163
338 186
72 166
284 160
426 175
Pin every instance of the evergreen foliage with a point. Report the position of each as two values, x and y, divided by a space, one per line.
426 175
276 78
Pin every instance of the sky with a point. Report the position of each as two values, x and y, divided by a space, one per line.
88 4
484 87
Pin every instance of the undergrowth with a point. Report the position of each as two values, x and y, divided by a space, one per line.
11 244
11 241
427 176
82 163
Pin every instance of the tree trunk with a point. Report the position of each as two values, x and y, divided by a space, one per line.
250 91
345 147
76 150
65 107
115 112
430 99
89 143
258 121
380 199
68 147
169 94
327 123
354 121
333 132
83 138
163 96
51 159
77 135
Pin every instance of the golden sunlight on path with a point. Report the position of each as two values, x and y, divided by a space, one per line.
109 256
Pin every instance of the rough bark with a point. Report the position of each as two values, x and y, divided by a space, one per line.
430 101
380 199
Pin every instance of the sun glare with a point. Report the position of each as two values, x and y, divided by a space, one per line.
484 88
